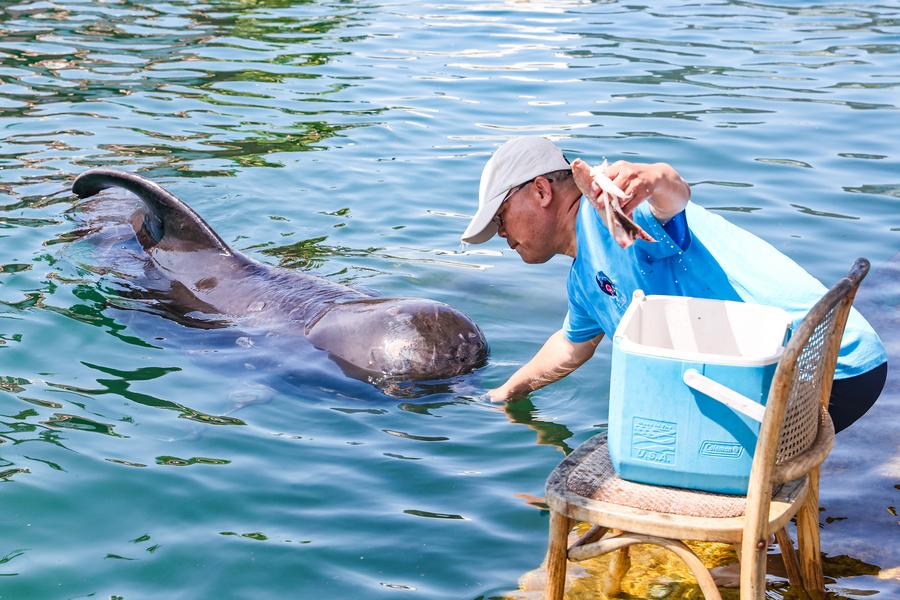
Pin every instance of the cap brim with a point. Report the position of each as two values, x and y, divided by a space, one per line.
482 227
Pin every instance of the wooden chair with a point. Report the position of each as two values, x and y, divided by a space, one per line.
795 436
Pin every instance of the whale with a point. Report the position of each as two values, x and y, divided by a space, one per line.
188 266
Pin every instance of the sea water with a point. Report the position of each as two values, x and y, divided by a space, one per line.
142 458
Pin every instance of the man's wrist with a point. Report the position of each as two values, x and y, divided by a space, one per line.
670 194
661 215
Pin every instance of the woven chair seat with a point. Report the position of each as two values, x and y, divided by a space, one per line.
595 478
584 486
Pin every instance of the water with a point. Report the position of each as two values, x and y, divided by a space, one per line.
141 458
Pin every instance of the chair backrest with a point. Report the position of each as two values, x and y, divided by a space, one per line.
796 410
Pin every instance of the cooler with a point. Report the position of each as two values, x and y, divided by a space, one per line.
688 387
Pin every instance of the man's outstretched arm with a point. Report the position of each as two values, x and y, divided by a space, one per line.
557 358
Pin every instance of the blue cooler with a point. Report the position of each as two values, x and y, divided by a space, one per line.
689 382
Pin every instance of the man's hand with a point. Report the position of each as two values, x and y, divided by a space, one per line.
500 394
659 183
638 181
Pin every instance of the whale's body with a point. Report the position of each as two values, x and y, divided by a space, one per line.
381 339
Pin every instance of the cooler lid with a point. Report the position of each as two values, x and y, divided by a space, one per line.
703 330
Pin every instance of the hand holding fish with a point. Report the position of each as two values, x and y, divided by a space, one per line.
616 190
637 181
607 197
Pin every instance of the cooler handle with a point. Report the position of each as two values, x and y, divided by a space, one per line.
725 395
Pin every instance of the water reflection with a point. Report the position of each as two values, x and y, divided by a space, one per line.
525 413
66 421
310 253
91 314
170 86
120 387
174 461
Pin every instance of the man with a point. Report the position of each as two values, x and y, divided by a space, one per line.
528 195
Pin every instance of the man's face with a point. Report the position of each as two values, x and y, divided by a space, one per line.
526 225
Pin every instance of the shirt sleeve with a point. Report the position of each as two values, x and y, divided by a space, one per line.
665 246
677 228
579 325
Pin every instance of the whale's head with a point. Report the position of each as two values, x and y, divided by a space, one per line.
399 339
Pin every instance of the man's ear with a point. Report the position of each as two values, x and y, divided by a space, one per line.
544 190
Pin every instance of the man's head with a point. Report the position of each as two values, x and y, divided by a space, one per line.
527 195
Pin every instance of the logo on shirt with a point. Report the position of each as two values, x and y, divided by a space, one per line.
605 284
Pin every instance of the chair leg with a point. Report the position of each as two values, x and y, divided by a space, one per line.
789 556
619 563
753 569
808 540
557 555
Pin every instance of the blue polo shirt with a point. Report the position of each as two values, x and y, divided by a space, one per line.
702 255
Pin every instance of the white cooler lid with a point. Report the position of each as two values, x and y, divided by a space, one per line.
703 330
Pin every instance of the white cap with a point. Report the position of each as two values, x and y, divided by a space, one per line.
515 162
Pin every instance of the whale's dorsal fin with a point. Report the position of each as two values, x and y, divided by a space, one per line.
167 221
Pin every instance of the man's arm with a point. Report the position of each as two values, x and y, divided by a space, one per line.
557 358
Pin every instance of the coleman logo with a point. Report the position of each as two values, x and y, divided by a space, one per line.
721 449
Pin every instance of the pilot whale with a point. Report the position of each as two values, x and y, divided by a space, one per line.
372 338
